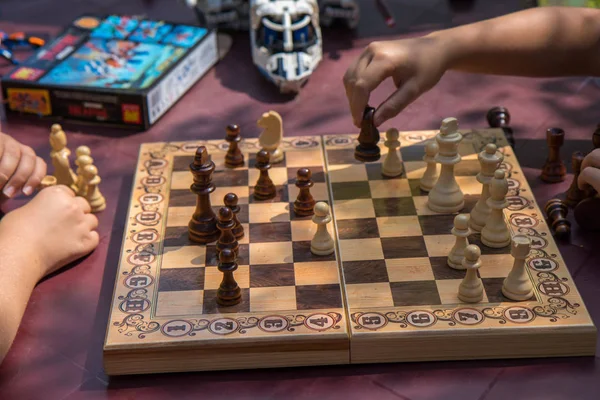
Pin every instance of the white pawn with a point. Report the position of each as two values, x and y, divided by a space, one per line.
461 231
82 161
489 160
495 233
271 136
430 176
471 288
392 165
517 285
322 243
446 196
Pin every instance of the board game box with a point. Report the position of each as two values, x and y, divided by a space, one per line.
114 70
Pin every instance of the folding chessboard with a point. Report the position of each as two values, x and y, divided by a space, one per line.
385 295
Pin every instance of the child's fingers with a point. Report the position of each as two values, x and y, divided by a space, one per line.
589 176
39 172
91 221
24 170
591 161
83 204
9 160
400 99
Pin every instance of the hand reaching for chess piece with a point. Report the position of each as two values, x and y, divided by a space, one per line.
589 177
20 169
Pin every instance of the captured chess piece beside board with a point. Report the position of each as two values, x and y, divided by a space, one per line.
584 203
295 251
85 181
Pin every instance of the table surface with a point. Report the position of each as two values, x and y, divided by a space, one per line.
58 351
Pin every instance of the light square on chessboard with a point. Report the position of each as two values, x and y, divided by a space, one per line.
317 175
415 169
213 277
271 253
448 290
399 226
278 175
361 249
409 269
179 216
184 256
347 173
349 209
439 245
273 298
369 295
268 212
421 207
469 185
389 188
316 273
305 230
189 302
302 159
319 192
496 265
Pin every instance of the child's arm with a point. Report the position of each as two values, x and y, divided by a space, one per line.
549 41
52 230
20 169
590 171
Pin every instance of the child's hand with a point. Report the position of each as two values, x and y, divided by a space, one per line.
415 65
20 168
590 171
55 226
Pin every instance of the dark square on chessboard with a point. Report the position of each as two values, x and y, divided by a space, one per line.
475 239
252 161
272 275
210 305
180 279
351 190
374 172
302 253
364 228
441 270
315 297
404 247
270 232
341 156
394 207
439 224
374 271
415 293
212 259
281 196
412 153
493 290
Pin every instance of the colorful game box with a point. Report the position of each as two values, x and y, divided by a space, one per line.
116 70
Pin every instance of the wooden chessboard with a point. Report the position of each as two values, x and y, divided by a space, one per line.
386 295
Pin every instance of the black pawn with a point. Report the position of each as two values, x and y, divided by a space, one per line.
556 211
231 202
305 203
202 227
499 117
229 293
227 239
368 139
234 157
264 189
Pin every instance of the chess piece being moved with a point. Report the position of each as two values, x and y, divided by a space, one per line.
47 181
574 194
517 285
226 224
234 157
229 293
322 243
557 211
495 233
270 138
202 227
499 117
489 160
554 169
60 158
92 190
82 161
461 231
231 201
368 138
471 288
446 196
305 203
264 188
430 176
392 165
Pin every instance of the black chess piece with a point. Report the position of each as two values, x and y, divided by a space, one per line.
499 117
264 188
226 224
305 203
234 157
574 194
554 169
556 211
587 214
229 293
231 201
202 227
368 139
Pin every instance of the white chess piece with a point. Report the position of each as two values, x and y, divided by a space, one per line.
392 165
495 233
60 158
489 160
471 288
322 243
517 285
446 196
430 176
461 231
271 136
